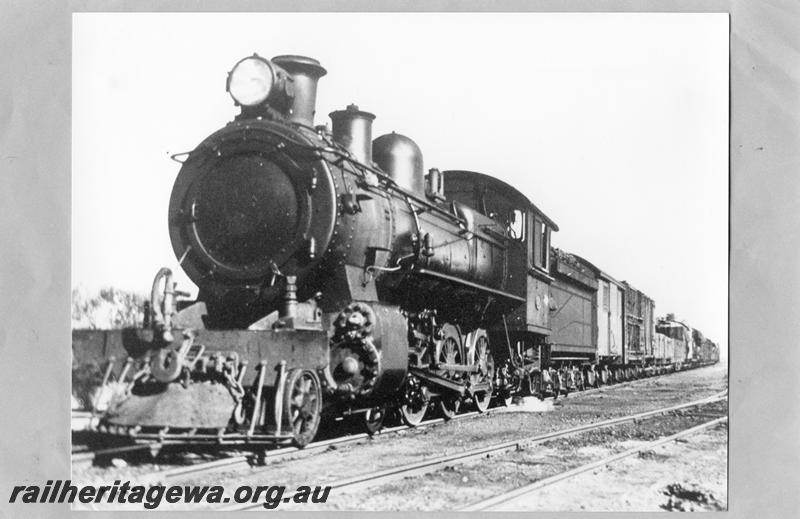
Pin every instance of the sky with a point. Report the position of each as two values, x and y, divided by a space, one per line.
615 125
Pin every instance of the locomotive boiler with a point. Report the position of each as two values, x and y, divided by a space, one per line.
335 276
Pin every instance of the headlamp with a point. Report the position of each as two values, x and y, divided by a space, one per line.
251 80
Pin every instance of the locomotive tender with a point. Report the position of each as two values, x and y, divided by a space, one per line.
337 277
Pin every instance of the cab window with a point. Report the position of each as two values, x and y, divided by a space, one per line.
541 244
545 247
516 225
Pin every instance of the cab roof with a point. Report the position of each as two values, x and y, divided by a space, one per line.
512 193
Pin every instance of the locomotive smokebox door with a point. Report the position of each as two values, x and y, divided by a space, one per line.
251 202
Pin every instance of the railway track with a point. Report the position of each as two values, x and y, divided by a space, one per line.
382 477
508 498
83 456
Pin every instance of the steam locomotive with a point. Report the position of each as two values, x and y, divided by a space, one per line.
336 277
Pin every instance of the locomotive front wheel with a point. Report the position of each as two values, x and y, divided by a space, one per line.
412 415
449 406
302 405
373 419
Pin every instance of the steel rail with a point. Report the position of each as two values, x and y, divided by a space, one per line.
275 455
519 493
90 456
381 477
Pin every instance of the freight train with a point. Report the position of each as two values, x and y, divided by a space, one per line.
336 278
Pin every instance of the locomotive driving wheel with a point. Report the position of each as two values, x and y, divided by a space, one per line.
302 405
449 406
451 349
485 363
450 353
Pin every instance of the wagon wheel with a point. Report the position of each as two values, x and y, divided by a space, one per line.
579 383
591 378
373 419
449 406
485 363
302 405
555 378
535 385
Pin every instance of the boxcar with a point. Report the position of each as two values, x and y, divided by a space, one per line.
676 338
573 320
639 324
610 319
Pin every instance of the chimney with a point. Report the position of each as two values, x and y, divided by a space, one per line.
306 73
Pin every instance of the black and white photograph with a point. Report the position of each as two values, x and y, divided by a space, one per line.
483 269
369 261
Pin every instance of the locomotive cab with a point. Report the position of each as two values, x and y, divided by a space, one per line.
525 231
